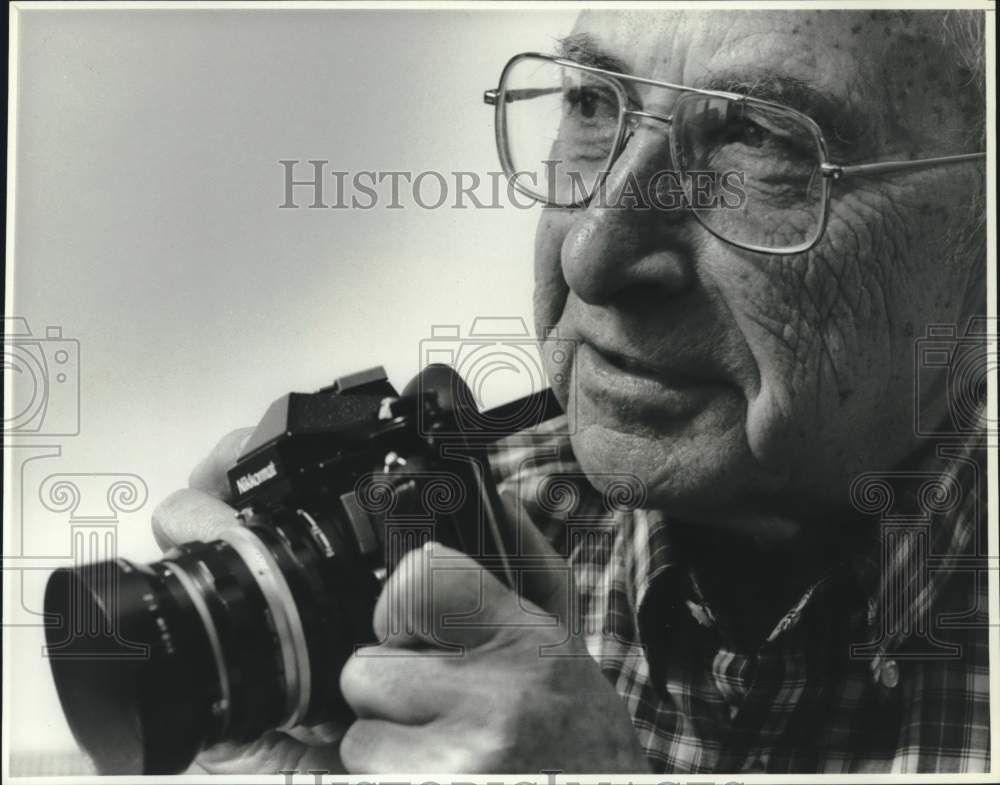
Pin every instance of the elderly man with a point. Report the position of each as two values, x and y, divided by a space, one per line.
746 355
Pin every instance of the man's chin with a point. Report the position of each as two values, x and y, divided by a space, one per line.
697 466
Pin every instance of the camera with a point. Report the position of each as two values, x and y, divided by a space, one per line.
957 366
46 373
248 633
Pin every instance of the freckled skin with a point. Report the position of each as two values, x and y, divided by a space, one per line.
817 348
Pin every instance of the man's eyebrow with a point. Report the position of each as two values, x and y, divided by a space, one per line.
781 89
583 48
841 123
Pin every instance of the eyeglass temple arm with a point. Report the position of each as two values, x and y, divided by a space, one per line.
492 96
836 171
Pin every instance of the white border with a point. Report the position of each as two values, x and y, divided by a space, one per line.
521 5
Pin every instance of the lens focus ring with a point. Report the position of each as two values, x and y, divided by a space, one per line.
288 625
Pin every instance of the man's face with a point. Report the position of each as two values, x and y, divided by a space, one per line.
730 380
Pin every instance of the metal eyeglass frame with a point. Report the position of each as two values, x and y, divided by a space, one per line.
829 170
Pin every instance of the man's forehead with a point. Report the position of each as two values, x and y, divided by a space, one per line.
868 78
694 47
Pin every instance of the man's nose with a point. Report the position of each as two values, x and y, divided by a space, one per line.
633 233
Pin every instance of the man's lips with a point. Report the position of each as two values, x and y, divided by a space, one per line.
626 382
639 367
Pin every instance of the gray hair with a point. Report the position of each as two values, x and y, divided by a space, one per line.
963 34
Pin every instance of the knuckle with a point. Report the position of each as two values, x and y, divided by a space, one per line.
479 754
165 515
408 585
158 519
462 762
349 748
412 566
352 678
354 746
189 514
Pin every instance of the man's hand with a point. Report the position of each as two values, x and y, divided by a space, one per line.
469 677
200 512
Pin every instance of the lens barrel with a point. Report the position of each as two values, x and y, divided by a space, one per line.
133 666
218 641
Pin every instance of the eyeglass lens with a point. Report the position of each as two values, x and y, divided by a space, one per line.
749 171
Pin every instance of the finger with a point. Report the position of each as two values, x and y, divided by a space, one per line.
254 757
441 598
324 759
272 753
378 746
210 475
188 515
404 685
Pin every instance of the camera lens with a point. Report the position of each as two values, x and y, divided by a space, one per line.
132 663
218 641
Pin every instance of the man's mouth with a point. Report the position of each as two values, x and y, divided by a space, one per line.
628 383
638 367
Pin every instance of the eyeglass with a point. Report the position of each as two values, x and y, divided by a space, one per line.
756 174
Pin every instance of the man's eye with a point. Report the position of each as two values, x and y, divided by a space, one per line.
746 132
587 102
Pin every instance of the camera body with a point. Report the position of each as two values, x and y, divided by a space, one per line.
499 358
248 633
47 373
393 471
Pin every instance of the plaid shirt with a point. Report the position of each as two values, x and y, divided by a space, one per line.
881 666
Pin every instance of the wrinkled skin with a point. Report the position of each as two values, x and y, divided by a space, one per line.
802 366
785 377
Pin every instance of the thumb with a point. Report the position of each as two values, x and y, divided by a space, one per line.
440 598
